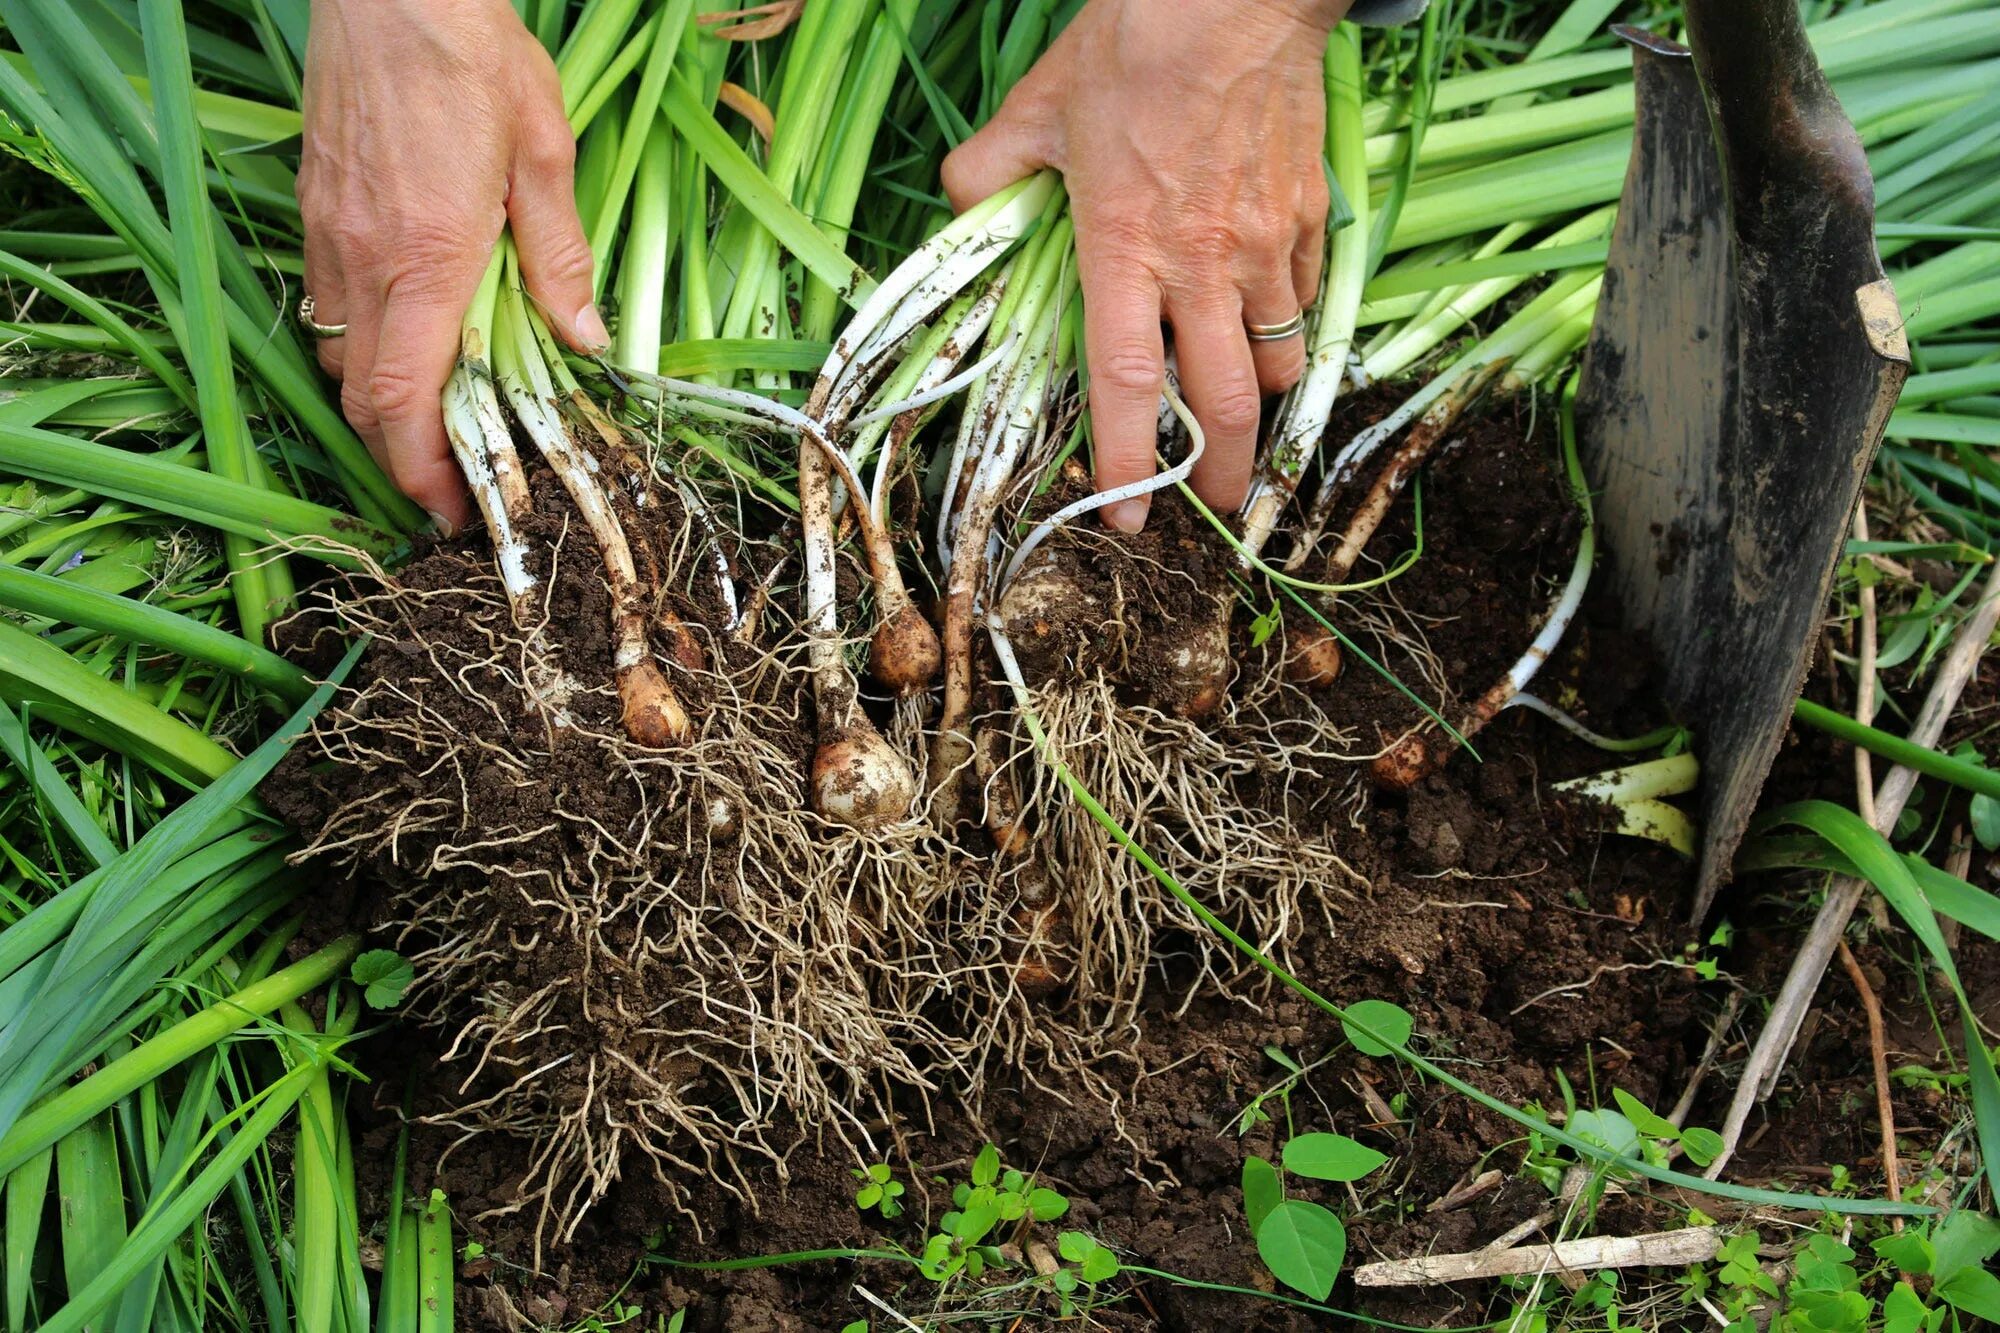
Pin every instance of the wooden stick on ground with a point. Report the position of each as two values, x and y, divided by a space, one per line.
1864 682
1885 1110
1767 1058
1690 1245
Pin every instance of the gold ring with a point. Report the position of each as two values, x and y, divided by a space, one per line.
1276 333
313 326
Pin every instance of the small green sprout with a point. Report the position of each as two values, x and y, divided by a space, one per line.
879 1190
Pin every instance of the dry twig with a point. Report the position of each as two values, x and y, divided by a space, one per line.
1885 1110
1690 1245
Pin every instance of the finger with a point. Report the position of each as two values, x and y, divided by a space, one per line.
1309 250
1269 301
1308 265
556 263
418 345
1221 381
1127 359
1010 147
364 320
326 284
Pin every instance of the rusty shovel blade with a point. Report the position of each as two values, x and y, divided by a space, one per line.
1745 356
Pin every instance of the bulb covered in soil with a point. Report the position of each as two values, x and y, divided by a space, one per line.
1049 616
1197 668
652 715
858 779
904 655
1406 763
1312 657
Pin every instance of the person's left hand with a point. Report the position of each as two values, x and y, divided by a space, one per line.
1190 135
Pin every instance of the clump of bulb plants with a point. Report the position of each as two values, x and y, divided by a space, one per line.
720 788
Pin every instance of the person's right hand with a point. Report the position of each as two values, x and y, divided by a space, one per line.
430 124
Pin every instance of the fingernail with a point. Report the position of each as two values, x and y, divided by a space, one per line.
441 523
1127 515
590 330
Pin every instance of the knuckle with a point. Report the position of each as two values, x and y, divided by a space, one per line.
567 257
548 146
424 242
1315 200
1211 242
351 230
396 393
1133 370
356 406
1235 411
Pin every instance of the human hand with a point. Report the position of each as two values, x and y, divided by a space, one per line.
1190 136
430 125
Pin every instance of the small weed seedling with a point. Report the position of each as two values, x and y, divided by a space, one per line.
879 1190
979 1208
1631 1131
1095 1265
1300 1241
1937 1278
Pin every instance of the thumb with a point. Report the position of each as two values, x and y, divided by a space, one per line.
1012 146
556 264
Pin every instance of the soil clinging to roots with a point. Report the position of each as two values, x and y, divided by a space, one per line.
652 976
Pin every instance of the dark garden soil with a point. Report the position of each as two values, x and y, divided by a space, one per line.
1523 938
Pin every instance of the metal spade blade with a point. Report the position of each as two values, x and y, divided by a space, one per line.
1745 356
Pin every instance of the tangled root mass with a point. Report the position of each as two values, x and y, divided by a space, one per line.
655 960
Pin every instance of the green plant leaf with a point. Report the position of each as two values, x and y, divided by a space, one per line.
1303 1245
1975 1291
383 975
868 1196
1331 1157
1391 1022
1652 1126
1963 1240
1909 1251
1702 1145
986 1166
1986 821
1903 1311
1046 1204
976 1222
1074 1245
1608 1128
1100 1265
1262 1191
679 1321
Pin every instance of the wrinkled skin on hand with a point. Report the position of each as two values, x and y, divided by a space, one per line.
430 125
1190 134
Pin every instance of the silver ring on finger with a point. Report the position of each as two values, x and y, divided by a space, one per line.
1276 333
313 326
